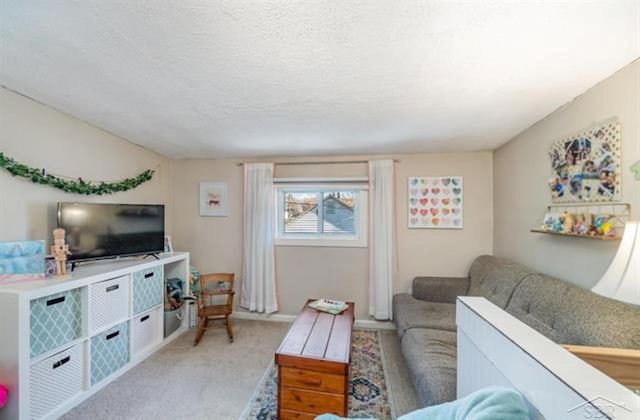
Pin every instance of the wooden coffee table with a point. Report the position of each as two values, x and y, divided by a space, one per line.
313 365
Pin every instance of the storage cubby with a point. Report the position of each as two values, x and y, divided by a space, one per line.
146 331
108 302
175 318
56 379
148 288
55 320
109 352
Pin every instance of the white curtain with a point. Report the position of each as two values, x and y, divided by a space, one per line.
382 246
259 278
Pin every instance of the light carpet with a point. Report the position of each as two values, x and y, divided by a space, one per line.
215 379
369 395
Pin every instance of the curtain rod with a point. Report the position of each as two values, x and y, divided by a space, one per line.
320 162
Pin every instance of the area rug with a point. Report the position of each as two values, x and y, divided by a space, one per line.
369 395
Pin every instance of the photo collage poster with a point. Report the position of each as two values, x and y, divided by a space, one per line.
586 166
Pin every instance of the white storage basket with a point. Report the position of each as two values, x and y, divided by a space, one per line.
55 380
108 302
148 288
146 331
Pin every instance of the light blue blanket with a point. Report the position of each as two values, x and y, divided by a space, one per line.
492 403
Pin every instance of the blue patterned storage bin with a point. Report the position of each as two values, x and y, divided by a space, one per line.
148 288
55 320
109 352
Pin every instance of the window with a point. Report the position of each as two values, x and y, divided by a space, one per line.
322 215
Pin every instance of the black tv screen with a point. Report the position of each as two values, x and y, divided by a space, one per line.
95 231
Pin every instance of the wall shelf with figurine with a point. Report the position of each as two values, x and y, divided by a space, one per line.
600 221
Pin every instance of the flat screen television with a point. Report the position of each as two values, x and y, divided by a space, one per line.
97 231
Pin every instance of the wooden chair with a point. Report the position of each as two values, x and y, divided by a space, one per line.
213 287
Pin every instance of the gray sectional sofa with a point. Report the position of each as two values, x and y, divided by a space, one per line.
567 314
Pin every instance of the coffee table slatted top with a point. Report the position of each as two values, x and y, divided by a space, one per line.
322 339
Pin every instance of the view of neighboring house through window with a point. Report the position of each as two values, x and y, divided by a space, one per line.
321 215
321 212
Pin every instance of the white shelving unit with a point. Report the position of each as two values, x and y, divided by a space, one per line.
62 340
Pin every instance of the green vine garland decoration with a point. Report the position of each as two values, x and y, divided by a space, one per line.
39 176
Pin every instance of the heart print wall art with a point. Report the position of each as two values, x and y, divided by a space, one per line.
435 202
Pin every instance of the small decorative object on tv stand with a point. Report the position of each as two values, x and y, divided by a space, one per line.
590 221
21 261
60 250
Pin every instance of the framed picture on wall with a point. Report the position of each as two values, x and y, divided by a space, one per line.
435 202
214 199
586 167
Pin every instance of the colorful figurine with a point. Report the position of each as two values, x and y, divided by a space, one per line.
603 225
568 222
60 251
581 226
549 221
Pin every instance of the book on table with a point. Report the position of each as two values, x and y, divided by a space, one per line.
333 307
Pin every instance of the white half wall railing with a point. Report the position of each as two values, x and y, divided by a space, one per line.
495 348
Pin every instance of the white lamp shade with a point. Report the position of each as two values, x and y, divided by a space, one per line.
622 279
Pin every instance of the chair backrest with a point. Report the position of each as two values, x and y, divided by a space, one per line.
217 284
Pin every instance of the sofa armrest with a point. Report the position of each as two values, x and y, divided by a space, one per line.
439 289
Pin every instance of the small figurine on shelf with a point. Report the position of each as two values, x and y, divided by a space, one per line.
549 221
568 222
603 225
60 250
591 225
581 226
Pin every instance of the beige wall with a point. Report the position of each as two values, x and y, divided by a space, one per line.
342 273
521 171
39 136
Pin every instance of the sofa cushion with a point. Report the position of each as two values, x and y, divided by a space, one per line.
589 319
409 312
495 278
568 314
439 289
536 302
431 359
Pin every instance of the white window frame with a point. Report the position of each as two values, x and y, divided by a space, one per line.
321 185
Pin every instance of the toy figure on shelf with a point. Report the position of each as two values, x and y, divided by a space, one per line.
603 225
556 225
60 251
568 222
549 220
591 225
581 226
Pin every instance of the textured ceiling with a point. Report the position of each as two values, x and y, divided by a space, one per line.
277 77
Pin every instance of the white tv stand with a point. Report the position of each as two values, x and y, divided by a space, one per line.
62 340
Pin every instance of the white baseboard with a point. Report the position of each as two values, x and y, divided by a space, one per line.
372 324
369 324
